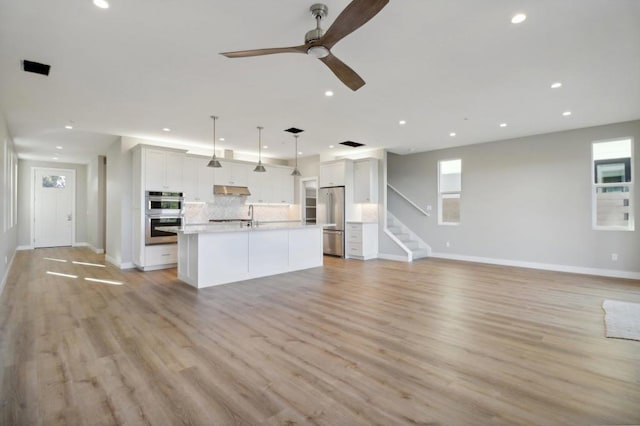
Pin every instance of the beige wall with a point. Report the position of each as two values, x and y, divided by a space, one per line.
526 199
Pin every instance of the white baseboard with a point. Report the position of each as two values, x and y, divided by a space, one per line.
80 244
615 273
96 250
398 257
24 248
123 265
6 273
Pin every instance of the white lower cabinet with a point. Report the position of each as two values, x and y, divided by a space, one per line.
362 240
160 256
213 258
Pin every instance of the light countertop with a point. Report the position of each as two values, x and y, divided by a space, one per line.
237 227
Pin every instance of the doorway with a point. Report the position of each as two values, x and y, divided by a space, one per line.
54 205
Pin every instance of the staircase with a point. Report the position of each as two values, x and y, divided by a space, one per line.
405 238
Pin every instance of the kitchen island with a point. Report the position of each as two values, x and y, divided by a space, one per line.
215 254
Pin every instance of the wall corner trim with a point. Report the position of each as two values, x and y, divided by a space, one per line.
117 263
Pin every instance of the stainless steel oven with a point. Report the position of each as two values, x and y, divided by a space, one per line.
163 203
153 235
162 209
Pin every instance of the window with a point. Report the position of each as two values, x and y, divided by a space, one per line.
449 190
54 182
612 185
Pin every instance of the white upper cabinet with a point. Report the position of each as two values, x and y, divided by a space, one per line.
273 186
197 179
334 173
260 186
365 181
282 188
163 170
232 174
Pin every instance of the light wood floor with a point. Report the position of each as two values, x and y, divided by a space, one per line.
353 343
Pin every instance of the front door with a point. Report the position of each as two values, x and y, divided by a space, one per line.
54 193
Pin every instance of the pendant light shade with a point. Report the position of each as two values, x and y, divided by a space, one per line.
214 161
260 168
295 171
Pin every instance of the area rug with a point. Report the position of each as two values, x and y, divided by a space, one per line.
622 319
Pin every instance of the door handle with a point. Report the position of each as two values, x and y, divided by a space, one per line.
69 217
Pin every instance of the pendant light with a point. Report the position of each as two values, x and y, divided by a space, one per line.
214 161
295 171
260 168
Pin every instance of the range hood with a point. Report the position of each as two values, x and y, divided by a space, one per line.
230 190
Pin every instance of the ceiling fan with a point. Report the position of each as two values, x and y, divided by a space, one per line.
318 43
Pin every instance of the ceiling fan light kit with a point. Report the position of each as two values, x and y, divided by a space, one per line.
318 43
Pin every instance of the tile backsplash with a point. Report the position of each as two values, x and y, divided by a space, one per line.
233 207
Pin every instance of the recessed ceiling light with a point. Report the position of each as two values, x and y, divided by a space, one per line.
402 122
331 146
299 152
166 129
102 4
556 85
265 146
328 93
55 158
566 113
68 126
518 18
452 134
58 147
221 139
503 124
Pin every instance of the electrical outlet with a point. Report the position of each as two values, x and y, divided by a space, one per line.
429 208
614 257
448 244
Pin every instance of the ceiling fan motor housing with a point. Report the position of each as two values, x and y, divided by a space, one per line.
313 35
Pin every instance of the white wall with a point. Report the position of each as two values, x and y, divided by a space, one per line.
8 230
523 200
25 190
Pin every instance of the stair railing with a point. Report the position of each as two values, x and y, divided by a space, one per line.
420 209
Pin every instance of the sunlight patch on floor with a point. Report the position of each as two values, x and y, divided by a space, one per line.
96 280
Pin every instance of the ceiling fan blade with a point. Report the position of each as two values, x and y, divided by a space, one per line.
260 52
348 76
355 15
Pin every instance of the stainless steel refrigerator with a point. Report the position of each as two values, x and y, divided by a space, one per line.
330 210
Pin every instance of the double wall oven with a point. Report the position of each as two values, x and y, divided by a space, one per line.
162 209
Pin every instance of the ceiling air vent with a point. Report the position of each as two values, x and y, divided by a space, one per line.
35 67
352 144
294 130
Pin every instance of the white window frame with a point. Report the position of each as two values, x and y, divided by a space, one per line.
595 186
441 194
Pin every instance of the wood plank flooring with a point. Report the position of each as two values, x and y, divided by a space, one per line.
353 343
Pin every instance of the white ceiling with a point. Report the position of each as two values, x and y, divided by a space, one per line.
442 65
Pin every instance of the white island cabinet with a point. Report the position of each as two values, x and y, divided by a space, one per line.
211 255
